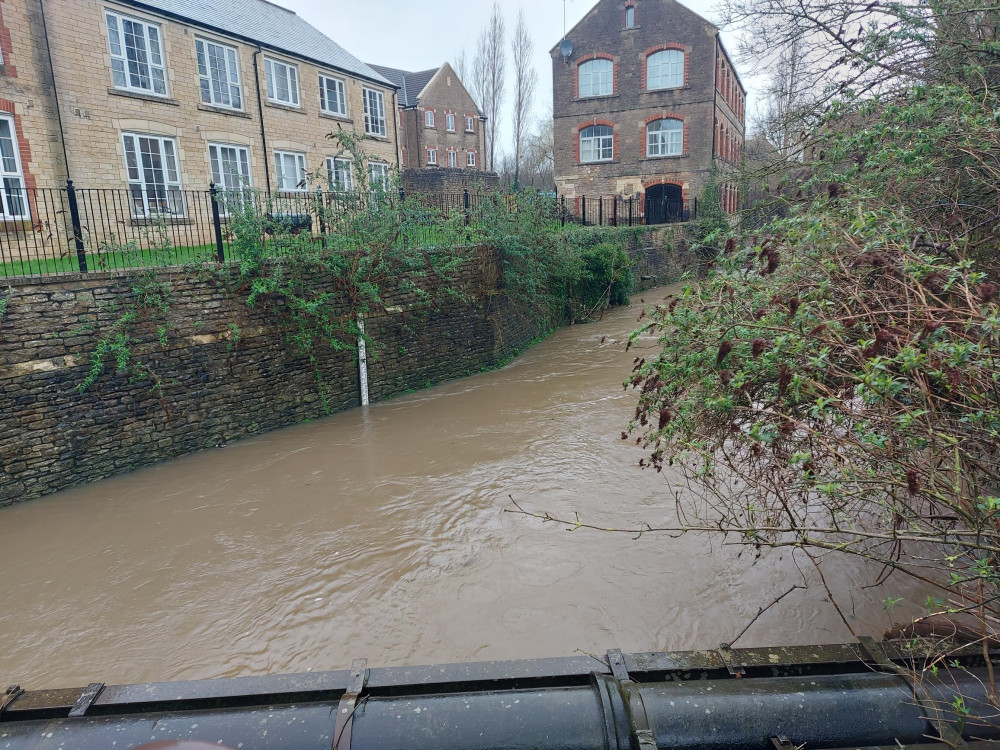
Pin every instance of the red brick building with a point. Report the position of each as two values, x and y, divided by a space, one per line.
645 100
440 125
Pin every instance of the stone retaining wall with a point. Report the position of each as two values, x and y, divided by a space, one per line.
215 370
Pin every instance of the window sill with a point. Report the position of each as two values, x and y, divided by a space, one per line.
9 222
685 87
598 97
223 111
597 163
375 137
338 118
143 97
153 221
668 157
286 107
631 28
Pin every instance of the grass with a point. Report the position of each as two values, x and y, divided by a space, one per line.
108 261
429 235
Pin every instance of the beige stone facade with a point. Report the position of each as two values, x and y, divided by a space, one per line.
269 115
26 98
96 113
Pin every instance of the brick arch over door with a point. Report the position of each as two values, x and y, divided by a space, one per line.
663 201
665 181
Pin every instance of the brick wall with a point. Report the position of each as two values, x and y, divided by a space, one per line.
446 180
444 95
660 25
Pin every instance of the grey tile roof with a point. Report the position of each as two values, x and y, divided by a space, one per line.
410 84
271 25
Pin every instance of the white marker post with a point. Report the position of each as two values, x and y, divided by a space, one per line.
362 360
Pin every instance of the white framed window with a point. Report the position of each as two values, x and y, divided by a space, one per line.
230 166
340 174
665 69
219 74
452 159
665 138
449 122
470 124
290 171
470 159
378 175
597 143
14 196
429 118
154 177
136 55
432 156
332 99
374 112
597 78
630 17
282 82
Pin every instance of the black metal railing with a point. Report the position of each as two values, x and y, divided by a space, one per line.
47 231
78 230
616 211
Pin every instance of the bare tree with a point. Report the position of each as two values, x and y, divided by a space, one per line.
525 82
538 157
489 70
461 66
786 114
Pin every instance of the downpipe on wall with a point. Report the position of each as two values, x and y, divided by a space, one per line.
727 699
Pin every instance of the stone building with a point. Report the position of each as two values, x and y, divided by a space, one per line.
163 96
645 100
440 124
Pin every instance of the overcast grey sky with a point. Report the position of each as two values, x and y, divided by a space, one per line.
422 34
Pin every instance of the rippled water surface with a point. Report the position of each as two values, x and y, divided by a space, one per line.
382 533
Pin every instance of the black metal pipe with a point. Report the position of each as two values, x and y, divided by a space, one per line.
732 700
55 88
260 114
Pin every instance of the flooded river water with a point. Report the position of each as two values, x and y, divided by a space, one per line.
382 533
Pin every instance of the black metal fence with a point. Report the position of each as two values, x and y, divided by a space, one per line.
77 230
616 211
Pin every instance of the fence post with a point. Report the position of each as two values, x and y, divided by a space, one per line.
220 252
74 217
466 203
631 200
583 213
614 216
563 211
600 212
320 213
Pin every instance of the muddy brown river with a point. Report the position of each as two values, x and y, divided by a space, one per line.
381 533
